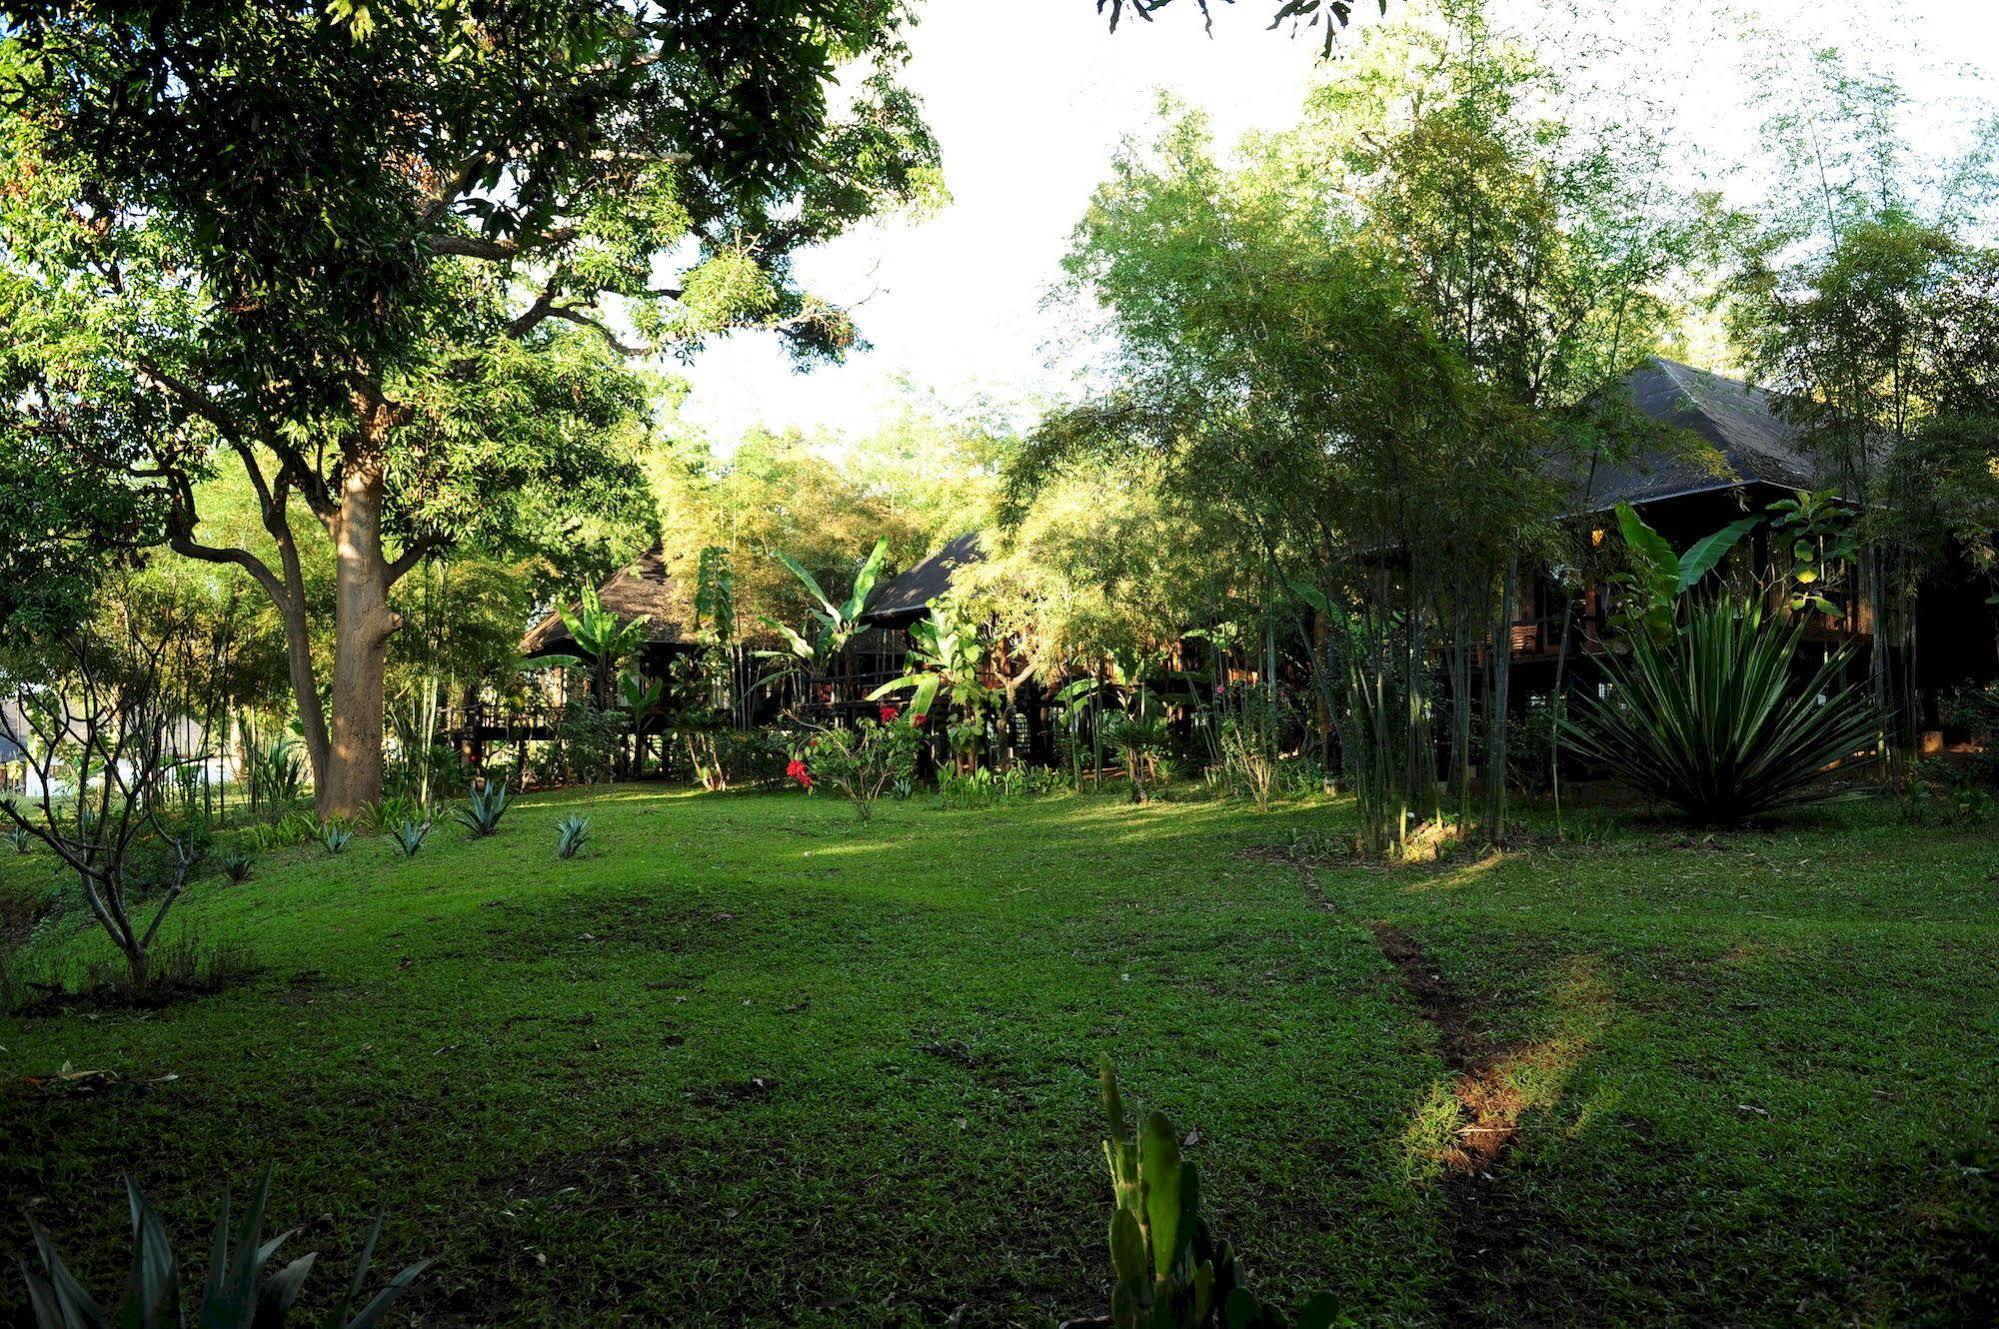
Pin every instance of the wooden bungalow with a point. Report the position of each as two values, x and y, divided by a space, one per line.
1731 454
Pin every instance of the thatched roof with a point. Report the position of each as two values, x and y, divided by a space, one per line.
1752 443
646 588
909 595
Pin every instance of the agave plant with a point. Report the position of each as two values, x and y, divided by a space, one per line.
1170 1271
19 838
484 808
236 1293
409 837
1716 721
335 837
570 834
238 865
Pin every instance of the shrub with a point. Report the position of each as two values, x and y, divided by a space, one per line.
1140 735
570 834
237 1292
383 816
1938 793
862 763
1714 722
294 828
987 788
276 775
1169 1271
19 839
483 809
335 837
238 864
409 837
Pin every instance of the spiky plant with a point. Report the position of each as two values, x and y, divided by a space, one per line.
238 865
409 837
1170 1271
235 1294
335 837
570 834
1720 721
19 839
484 808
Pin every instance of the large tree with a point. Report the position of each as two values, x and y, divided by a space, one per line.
387 261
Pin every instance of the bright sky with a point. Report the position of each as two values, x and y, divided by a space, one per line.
1028 100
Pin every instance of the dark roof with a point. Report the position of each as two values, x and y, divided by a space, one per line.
1747 441
910 594
645 587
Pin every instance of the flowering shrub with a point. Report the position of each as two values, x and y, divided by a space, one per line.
863 763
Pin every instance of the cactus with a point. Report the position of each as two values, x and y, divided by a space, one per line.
484 808
1170 1271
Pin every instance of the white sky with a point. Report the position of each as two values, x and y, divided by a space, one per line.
1028 99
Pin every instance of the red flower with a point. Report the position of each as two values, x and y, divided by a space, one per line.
917 719
889 713
799 772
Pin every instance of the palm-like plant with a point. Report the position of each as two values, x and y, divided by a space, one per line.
1716 722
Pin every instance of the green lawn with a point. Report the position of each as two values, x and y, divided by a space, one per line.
752 1062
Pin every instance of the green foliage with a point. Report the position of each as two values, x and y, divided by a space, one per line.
837 622
1820 529
408 837
276 771
484 808
384 815
1139 733
18 839
1940 793
990 788
1331 15
239 1291
1720 722
1657 577
293 828
335 837
715 595
1170 1272
238 865
586 744
947 654
571 833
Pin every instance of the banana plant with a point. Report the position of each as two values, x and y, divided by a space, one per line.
837 623
947 656
1659 576
605 639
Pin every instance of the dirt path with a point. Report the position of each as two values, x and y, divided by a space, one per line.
1483 1224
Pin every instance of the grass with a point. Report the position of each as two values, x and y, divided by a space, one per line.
747 1061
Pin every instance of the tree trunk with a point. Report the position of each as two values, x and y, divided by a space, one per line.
362 625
